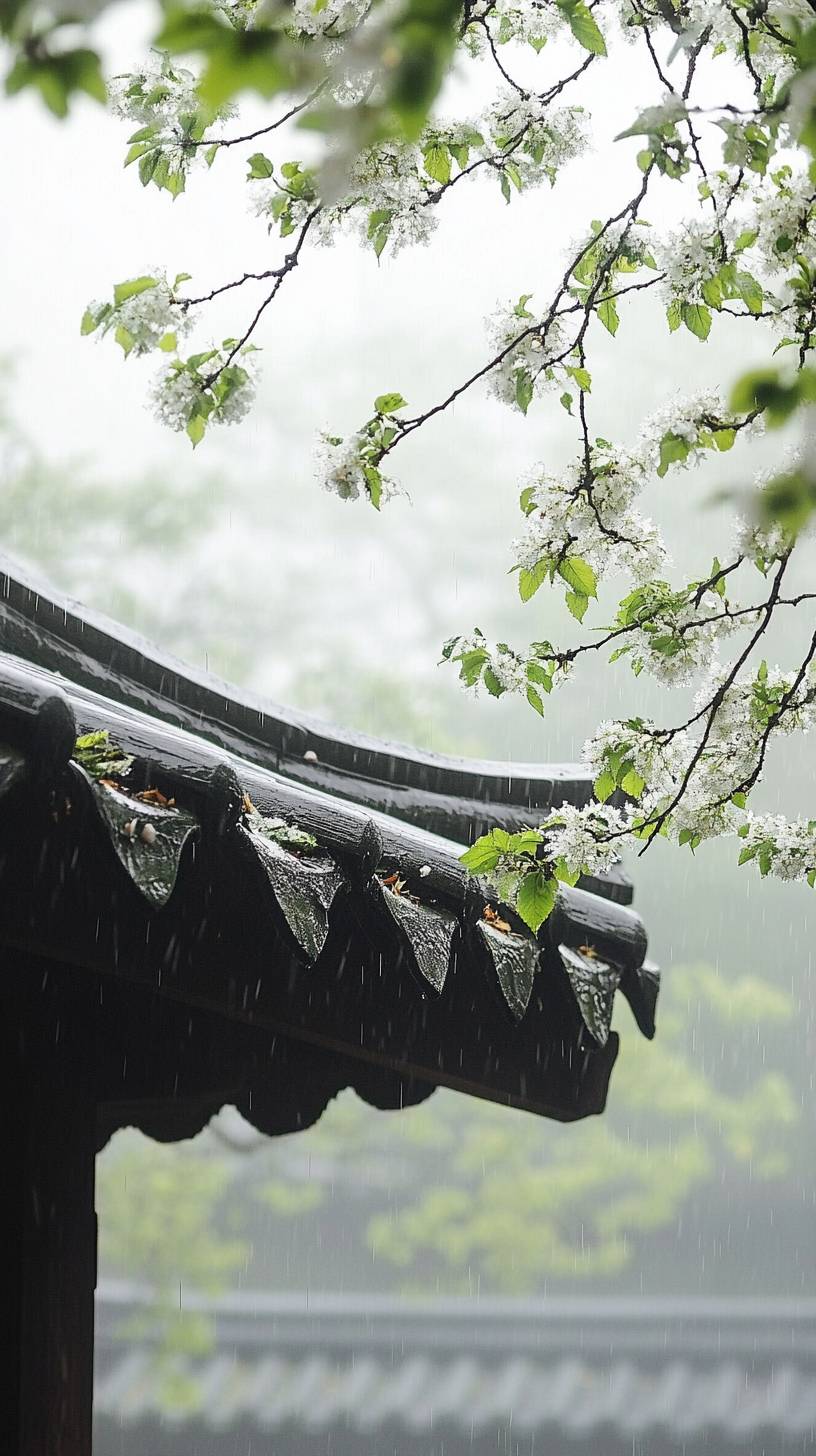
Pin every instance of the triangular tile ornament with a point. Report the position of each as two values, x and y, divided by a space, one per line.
12 768
594 984
515 959
641 988
429 932
149 839
304 887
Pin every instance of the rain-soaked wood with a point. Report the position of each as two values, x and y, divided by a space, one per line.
199 775
47 1218
453 796
222 945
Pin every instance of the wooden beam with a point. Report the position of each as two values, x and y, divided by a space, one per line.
48 1223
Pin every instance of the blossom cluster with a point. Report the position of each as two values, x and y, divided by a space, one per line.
387 190
145 315
671 634
216 387
349 468
783 847
515 20
525 354
691 256
724 27
590 514
586 839
326 19
164 101
540 139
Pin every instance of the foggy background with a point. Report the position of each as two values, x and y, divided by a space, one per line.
235 559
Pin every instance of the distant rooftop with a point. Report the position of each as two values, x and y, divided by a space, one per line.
346 1373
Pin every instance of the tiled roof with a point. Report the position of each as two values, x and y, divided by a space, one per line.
215 902
725 1371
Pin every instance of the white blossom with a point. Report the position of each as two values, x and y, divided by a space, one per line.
176 396
581 837
384 179
692 635
539 139
658 760
164 98
511 670
529 357
761 542
788 844
786 220
340 467
334 18
691 255
593 519
150 315
236 405
532 24
692 419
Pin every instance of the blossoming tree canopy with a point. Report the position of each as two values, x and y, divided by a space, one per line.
381 153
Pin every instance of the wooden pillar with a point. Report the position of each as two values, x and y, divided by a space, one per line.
47 1220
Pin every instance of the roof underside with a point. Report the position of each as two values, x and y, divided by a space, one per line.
184 894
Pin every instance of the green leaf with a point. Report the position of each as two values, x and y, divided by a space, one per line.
724 439
89 322
530 581
674 315
375 485
536 898
712 291
524 390
673 449
388 404
750 291
132 287
379 228
584 27
260 167
195 429
124 339
482 856
138 149
168 342
697 319
437 161
492 683
608 315
582 376
538 674
534 699
633 784
605 786
577 604
578 574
